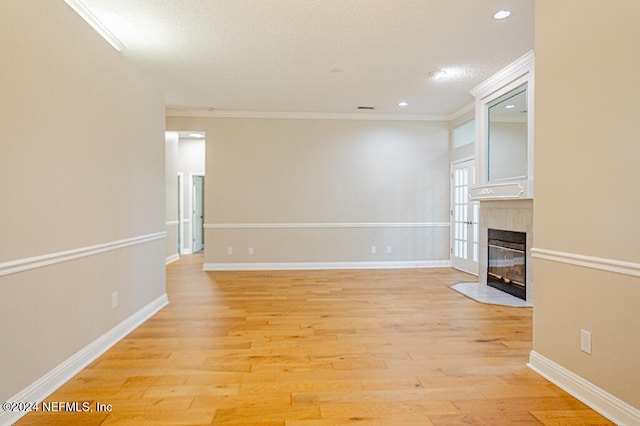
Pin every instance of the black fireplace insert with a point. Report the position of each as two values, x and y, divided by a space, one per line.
507 267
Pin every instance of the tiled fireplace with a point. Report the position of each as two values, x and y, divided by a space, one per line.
507 215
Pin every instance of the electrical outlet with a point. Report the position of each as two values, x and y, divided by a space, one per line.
388 249
229 251
251 251
585 341
114 300
373 249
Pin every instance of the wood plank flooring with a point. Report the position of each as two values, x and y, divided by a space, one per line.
384 347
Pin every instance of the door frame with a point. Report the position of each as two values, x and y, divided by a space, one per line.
192 177
180 213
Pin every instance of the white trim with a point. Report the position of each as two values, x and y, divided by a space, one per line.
186 251
173 111
95 23
466 265
181 211
25 264
603 402
602 264
327 225
172 258
303 266
47 384
509 73
172 223
461 160
190 210
522 189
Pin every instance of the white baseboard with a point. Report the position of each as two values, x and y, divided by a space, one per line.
47 384
300 266
172 258
603 402
186 251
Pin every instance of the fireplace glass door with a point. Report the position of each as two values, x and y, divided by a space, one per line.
507 262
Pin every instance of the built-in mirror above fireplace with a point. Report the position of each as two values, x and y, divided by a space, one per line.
504 186
504 133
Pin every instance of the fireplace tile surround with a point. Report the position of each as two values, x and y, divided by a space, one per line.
509 215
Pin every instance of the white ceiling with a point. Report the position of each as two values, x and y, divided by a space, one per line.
318 56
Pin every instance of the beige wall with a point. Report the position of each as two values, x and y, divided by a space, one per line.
272 173
81 164
586 202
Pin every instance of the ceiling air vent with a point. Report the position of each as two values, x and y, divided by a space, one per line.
366 107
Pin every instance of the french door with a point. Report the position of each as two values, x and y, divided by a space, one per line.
465 218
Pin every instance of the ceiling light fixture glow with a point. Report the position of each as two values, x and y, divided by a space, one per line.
449 74
437 74
95 23
510 106
502 14
403 104
196 135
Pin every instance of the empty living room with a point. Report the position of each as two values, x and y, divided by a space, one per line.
319 212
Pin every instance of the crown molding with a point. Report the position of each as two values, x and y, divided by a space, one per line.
517 68
197 112
95 23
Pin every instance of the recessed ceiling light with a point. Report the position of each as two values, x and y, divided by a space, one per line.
510 106
403 104
502 14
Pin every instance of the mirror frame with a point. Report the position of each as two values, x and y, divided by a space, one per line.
512 76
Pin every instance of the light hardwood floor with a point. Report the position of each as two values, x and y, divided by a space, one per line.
391 347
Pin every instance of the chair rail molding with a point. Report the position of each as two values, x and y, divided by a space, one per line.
599 263
19 265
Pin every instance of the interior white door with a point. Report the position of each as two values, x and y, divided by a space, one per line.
465 218
198 213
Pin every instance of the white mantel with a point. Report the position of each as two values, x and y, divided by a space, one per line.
515 190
